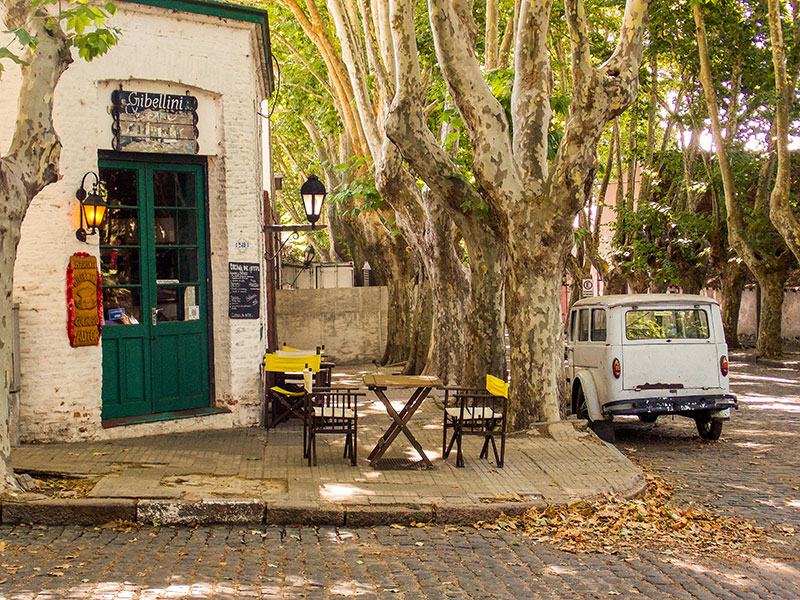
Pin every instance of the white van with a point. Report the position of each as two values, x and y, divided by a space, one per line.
648 355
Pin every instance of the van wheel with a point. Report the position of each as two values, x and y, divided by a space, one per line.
709 429
648 418
603 429
581 409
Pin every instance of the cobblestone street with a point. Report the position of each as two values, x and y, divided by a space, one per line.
751 473
383 562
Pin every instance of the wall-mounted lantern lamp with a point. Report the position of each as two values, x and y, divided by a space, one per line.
93 208
313 193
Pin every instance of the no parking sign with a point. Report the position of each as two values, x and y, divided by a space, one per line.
587 288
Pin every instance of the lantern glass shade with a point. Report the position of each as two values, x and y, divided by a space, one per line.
94 209
313 193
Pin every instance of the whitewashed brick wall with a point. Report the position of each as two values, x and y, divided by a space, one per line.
218 61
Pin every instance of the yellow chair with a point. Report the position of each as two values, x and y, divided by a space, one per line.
474 411
285 397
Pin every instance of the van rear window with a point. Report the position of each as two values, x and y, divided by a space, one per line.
689 324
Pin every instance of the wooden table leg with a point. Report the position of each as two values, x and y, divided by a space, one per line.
391 433
399 423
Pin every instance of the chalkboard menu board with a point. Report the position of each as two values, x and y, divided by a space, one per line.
244 290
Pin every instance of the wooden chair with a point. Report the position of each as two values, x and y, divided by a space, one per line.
286 389
323 378
479 412
332 410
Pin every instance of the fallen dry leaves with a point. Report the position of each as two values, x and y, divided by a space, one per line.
611 525
64 487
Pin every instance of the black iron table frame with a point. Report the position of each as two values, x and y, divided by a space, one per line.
399 423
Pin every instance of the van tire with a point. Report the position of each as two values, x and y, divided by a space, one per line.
604 430
581 408
647 418
708 428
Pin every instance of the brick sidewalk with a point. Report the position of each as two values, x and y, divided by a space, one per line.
254 475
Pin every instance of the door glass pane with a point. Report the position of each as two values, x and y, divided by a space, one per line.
122 306
120 227
598 325
119 265
583 326
175 227
176 266
120 185
178 303
172 188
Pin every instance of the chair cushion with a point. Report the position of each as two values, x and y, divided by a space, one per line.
284 392
473 413
331 412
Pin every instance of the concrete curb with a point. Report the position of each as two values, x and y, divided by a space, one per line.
78 511
243 511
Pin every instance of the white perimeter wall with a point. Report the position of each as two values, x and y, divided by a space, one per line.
218 61
748 324
350 322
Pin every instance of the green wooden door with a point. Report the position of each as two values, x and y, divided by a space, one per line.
155 297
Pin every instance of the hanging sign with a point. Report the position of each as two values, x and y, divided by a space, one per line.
147 122
84 301
244 290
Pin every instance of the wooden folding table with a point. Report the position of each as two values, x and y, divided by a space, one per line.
422 384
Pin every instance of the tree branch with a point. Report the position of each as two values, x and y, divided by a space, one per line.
483 115
406 126
530 98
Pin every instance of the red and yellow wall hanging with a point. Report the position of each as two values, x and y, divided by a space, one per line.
84 301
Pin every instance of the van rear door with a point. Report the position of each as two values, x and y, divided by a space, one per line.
669 347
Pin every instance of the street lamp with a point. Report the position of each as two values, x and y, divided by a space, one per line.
93 208
313 193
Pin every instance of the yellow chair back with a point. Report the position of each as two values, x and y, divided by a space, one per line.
496 386
291 364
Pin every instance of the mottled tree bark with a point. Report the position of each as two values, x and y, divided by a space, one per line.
781 213
30 164
732 283
484 345
769 341
768 266
534 202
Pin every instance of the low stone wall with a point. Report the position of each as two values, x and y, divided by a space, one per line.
349 322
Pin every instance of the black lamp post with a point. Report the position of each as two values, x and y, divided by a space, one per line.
313 193
93 208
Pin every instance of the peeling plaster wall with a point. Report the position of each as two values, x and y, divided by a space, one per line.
217 60
349 322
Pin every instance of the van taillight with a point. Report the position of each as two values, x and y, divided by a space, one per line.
616 368
723 365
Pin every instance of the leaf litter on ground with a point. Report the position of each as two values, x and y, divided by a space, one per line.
611 525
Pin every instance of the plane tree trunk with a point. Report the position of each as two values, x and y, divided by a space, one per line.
770 263
30 164
533 202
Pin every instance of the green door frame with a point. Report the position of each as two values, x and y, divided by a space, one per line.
163 363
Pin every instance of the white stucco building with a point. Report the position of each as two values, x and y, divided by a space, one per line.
169 122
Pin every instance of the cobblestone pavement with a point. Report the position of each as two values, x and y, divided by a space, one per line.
384 562
751 473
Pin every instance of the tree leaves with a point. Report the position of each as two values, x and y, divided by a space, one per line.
84 25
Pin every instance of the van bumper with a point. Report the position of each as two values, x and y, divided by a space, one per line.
668 406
